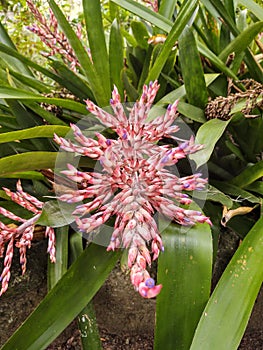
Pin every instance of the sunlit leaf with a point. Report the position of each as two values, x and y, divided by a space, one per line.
208 135
38 131
234 296
184 270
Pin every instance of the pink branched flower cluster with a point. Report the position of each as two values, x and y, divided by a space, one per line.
153 4
134 182
20 235
49 32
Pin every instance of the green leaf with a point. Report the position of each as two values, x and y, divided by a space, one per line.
191 112
167 8
180 92
116 56
242 41
249 175
30 82
72 81
95 32
256 186
18 94
208 134
63 303
56 214
214 195
192 70
145 13
184 269
238 192
27 161
215 60
181 21
81 53
87 323
44 114
255 69
58 269
234 296
13 53
16 64
140 33
38 131
253 7
32 175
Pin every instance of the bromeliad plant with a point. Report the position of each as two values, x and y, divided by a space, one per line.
203 62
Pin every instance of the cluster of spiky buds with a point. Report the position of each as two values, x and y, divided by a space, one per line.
49 32
21 233
134 182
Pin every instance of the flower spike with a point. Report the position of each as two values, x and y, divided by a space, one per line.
135 181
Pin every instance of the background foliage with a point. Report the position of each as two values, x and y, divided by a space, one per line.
211 60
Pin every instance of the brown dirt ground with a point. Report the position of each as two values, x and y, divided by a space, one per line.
126 321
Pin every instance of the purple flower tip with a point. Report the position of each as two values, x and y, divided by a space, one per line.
124 136
164 159
108 142
169 107
186 185
150 283
183 145
162 248
111 101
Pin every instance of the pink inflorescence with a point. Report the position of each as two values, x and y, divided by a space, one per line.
134 182
21 233
153 4
49 32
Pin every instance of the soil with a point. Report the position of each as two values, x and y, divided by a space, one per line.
126 321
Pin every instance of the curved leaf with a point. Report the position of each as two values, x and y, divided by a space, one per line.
27 161
81 54
18 94
215 60
181 21
233 297
16 64
185 270
38 131
56 214
180 92
208 134
13 53
242 41
253 7
249 175
63 303
145 13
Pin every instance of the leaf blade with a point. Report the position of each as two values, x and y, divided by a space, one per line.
234 295
185 270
